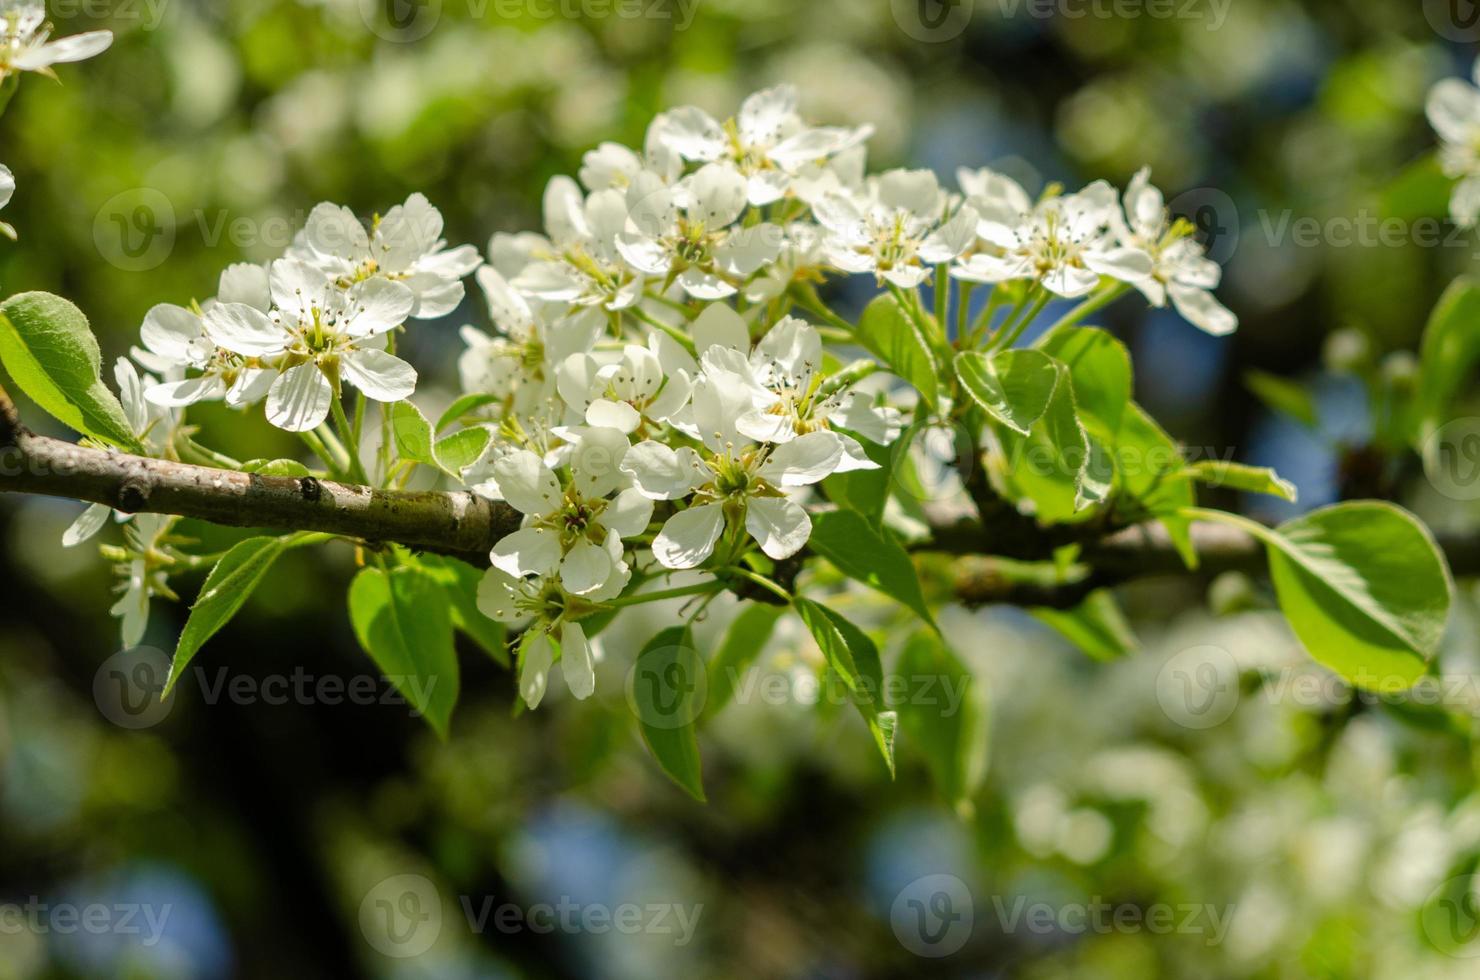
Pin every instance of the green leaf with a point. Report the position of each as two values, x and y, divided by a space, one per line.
870 556
402 620
1100 367
743 642
412 433
1013 386
1364 588
50 352
894 338
864 491
226 588
1150 463
460 582
946 714
465 405
1283 395
1058 465
1450 350
664 696
854 657
461 449
1096 626
1237 476
275 467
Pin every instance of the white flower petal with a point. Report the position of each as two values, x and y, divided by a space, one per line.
88 523
629 513
169 331
527 483
586 568
576 661
613 415
1200 308
688 538
244 330
498 592
805 460
719 325
176 394
378 305
781 526
536 655
662 473
528 551
299 399
381 376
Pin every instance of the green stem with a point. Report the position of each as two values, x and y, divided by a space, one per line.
964 290
355 468
193 452
672 331
1009 333
699 588
807 298
313 441
942 294
762 581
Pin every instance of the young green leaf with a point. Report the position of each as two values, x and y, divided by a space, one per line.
460 583
864 491
1283 395
743 642
1013 386
1150 465
1058 465
1449 352
226 588
666 698
894 338
1100 367
461 449
1364 586
50 352
853 656
946 714
870 556
1096 626
465 405
402 620
411 432
1237 476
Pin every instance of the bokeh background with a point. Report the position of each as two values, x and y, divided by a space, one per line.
1294 831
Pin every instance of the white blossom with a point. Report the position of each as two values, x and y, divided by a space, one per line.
896 227
1180 270
316 334
7 190
688 233
404 246
25 43
579 263
767 142
1454 111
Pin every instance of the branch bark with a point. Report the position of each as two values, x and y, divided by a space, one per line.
467 526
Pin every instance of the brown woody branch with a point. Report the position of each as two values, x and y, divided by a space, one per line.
467 526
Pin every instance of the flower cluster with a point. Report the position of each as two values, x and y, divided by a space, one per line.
1454 112
662 390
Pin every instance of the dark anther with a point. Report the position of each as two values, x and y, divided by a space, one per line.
310 488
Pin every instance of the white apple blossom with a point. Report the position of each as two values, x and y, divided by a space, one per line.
1454 111
317 333
566 529
541 602
647 387
739 488
404 246
580 263
1180 269
144 569
767 142
25 44
7 190
688 233
789 394
520 364
898 226
175 341
1064 242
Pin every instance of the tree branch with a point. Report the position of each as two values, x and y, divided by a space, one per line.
467 526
